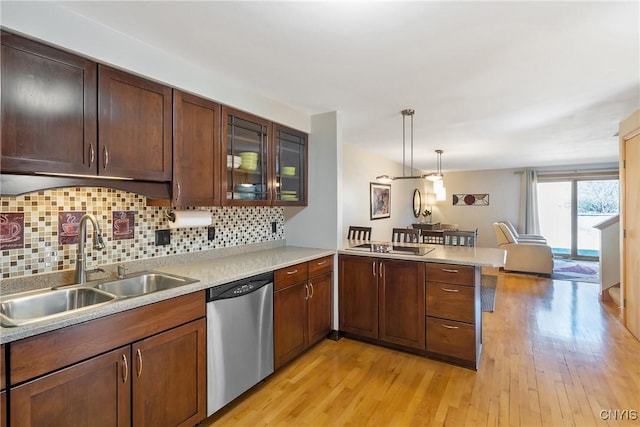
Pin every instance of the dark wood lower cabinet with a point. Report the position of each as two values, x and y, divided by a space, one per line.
383 299
169 377
402 304
96 392
358 293
302 307
320 304
428 308
290 322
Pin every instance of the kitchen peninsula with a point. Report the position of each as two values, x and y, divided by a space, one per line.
414 297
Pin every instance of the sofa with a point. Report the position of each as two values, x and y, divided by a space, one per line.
524 256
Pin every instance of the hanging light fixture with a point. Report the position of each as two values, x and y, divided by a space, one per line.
436 176
387 178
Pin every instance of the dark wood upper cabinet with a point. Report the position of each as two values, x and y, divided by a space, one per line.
246 159
134 132
196 151
290 161
48 109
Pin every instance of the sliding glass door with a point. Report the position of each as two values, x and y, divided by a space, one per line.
570 207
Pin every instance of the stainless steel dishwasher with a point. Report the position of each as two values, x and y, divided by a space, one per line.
239 338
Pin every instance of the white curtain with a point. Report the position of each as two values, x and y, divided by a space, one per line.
529 222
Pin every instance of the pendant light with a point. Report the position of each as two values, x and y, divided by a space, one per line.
436 176
387 178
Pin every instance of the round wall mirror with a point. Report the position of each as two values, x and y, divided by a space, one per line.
417 203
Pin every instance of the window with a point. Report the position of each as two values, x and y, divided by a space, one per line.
569 207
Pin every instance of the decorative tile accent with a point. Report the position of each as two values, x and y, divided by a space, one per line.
68 225
11 230
42 251
471 200
123 225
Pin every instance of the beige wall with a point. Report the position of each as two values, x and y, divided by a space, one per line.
359 169
503 187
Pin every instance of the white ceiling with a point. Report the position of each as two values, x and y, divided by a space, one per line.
494 84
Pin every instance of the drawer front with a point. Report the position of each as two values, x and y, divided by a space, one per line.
451 273
291 275
449 338
448 301
320 266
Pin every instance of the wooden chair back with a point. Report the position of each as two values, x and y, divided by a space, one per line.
444 226
406 235
459 238
359 233
435 237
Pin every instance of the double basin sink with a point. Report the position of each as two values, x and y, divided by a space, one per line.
35 306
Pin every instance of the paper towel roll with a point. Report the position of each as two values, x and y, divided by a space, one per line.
183 219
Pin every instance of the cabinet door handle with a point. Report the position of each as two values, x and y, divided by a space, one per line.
450 327
381 270
289 273
322 262
106 157
448 270
450 290
306 292
177 191
374 268
139 354
92 155
311 286
125 369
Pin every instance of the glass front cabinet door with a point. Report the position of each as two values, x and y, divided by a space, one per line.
245 148
290 153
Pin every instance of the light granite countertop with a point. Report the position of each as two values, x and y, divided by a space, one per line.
476 256
213 269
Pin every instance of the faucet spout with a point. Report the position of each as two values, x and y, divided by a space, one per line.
98 243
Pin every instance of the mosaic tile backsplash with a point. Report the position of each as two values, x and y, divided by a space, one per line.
42 248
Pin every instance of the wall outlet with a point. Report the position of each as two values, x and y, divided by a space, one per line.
163 237
211 233
274 227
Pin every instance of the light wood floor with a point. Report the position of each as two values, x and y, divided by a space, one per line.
553 356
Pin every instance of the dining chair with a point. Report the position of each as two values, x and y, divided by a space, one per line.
434 237
406 235
459 238
359 233
444 226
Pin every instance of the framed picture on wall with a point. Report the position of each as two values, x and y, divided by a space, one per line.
380 201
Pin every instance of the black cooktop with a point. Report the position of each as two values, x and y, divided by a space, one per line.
390 248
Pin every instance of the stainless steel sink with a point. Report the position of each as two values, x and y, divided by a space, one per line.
143 283
40 305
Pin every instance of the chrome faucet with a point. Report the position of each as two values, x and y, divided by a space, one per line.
98 243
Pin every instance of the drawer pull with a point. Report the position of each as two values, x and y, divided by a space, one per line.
450 290
125 369
289 273
139 353
449 270
450 327
322 262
